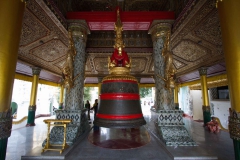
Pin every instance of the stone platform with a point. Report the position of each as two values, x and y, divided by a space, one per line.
171 130
36 153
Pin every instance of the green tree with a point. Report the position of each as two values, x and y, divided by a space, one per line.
87 93
144 92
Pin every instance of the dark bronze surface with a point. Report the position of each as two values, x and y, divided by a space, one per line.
121 104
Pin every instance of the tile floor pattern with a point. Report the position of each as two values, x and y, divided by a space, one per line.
25 139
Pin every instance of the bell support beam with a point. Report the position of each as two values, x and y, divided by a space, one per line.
130 20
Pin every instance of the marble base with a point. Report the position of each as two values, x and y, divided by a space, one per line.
175 136
171 130
36 153
115 138
75 129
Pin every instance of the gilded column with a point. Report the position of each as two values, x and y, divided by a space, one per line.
229 14
11 15
32 107
139 80
99 85
74 97
176 90
205 98
164 98
61 96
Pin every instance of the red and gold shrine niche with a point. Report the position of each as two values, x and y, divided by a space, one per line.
119 105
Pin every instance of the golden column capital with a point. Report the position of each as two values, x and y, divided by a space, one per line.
36 70
159 29
203 71
79 29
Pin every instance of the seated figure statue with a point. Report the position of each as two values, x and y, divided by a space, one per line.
119 58
213 126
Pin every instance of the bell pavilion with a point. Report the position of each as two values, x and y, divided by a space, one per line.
187 50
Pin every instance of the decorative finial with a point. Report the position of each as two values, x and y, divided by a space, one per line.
119 62
118 28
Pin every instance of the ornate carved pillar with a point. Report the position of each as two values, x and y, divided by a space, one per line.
229 13
164 99
32 106
74 98
11 15
205 99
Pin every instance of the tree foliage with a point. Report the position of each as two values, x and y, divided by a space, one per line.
87 93
144 92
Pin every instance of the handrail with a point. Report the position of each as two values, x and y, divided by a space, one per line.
222 128
20 121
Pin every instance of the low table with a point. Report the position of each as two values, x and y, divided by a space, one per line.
56 122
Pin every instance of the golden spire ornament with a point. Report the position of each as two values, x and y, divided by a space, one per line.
119 57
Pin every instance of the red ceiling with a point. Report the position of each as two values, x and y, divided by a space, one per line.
130 20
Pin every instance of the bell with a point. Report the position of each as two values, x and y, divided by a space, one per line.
119 105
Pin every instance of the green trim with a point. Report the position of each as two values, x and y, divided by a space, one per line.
176 106
206 117
60 106
3 148
31 118
236 145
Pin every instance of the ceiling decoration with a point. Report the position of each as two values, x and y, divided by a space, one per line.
44 40
50 51
189 51
196 38
99 39
32 29
196 41
96 65
177 64
110 5
207 32
150 5
54 7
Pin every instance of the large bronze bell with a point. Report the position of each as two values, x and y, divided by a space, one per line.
119 105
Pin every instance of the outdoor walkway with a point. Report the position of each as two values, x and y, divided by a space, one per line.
210 146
